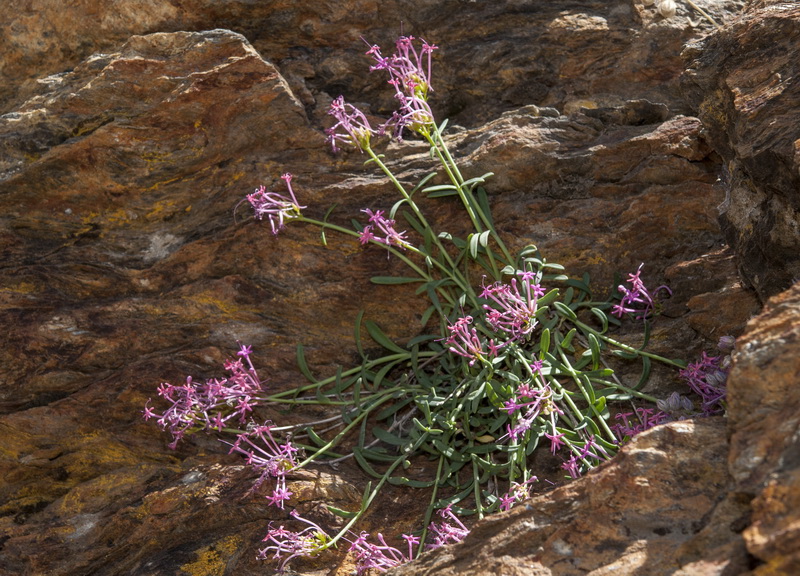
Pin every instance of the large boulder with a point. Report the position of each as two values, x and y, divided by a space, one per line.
741 82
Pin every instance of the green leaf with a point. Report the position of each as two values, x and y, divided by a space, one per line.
544 343
476 241
303 365
483 200
322 228
594 346
625 354
422 183
426 316
566 342
379 377
600 406
472 182
564 310
315 438
341 513
441 191
396 207
645 373
548 298
388 437
402 481
365 466
647 329
602 317
377 334
392 280
414 223
579 285
357 333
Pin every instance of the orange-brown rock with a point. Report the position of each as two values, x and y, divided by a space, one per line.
659 507
127 260
741 82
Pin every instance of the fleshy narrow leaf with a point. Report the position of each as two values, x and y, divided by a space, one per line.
402 481
392 280
303 365
377 334
544 343
365 466
565 310
388 437
645 373
357 333
566 342
341 513
602 317
594 346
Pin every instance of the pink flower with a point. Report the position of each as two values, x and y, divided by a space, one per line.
274 206
352 126
386 226
637 299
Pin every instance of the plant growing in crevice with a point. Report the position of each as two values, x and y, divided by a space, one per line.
517 357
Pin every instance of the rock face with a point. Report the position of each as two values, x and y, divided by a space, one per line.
562 53
660 507
742 84
129 141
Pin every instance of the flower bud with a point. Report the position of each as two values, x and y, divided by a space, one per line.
726 343
667 8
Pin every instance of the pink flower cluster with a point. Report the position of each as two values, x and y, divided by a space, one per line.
519 492
708 378
590 450
286 544
632 423
211 405
383 557
269 457
529 402
511 313
513 308
637 299
410 75
385 227
274 206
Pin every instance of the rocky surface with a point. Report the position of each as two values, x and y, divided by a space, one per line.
500 55
742 82
132 136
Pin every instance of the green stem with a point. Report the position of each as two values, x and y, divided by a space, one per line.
363 413
472 207
626 348
598 417
429 512
353 371
366 504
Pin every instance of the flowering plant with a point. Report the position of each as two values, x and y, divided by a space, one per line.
520 355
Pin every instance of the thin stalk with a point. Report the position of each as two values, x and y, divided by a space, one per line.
429 512
579 384
704 13
361 415
366 504
331 379
626 348
469 201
